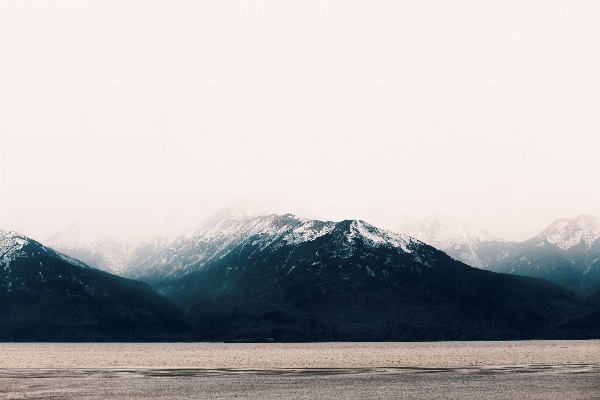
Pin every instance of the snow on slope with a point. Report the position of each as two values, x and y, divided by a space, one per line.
379 237
105 242
219 235
566 233
230 229
11 244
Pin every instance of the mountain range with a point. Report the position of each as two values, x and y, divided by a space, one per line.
103 242
567 252
247 275
295 279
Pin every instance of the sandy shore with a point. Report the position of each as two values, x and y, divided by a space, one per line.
298 355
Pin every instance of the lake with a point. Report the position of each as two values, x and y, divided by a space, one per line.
523 369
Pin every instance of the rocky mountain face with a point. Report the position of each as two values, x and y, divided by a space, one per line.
293 279
48 296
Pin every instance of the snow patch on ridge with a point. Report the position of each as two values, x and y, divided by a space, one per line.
226 232
379 237
309 231
10 245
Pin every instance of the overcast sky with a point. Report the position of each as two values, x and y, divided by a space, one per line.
488 111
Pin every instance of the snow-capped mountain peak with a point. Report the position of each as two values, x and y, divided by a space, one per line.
378 237
566 233
226 232
11 244
8 239
115 243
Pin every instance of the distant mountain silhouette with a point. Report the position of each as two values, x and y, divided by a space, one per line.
567 252
459 238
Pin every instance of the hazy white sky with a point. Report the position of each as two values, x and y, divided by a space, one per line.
485 110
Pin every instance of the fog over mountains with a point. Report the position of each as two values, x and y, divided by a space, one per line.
140 108
101 240
460 238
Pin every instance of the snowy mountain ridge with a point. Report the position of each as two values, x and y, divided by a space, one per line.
227 231
11 243
108 243
566 233
566 252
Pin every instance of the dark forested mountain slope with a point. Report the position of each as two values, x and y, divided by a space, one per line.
586 324
47 296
